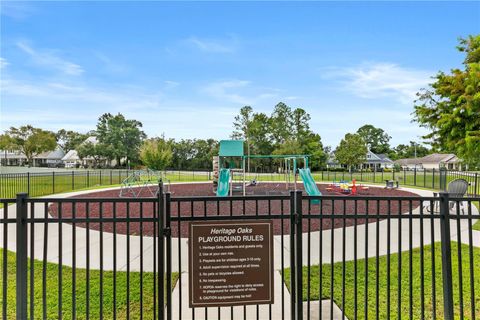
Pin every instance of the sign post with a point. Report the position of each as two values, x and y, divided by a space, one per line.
230 263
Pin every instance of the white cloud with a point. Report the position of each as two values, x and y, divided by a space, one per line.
169 84
214 45
376 80
3 63
239 92
47 58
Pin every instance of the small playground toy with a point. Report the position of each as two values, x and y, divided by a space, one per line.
230 175
140 181
344 187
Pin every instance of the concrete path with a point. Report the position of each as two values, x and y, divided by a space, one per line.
399 240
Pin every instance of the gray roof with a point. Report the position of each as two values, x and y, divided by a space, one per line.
431 158
71 156
409 161
439 157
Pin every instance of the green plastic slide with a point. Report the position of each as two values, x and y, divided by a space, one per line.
223 183
309 183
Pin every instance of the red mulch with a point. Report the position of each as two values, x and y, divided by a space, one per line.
344 204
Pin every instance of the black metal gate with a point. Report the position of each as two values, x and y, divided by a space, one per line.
360 257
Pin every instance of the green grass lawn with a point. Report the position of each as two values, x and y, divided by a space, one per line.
80 292
394 275
476 226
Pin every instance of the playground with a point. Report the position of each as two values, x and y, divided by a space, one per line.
217 207
229 181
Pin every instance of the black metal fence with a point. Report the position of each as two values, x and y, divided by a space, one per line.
426 178
370 257
44 183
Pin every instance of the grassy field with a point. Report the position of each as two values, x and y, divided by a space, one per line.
394 276
80 292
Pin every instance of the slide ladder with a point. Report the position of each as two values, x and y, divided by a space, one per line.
223 183
309 183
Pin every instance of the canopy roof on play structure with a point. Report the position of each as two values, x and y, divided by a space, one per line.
234 148
231 148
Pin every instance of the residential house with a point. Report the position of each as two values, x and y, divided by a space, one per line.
432 161
12 158
49 158
44 159
373 161
72 160
377 161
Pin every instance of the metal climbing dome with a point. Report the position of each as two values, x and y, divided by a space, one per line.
140 180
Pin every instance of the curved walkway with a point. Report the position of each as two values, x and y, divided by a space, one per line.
313 239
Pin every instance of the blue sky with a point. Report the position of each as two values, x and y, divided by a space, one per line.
185 69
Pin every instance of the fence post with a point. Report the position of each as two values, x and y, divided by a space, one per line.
443 179
53 182
424 178
292 255
446 256
100 177
475 188
111 180
433 178
88 179
28 182
299 254
21 247
168 236
73 180
161 253
414 176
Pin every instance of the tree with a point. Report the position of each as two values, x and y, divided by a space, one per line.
312 145
286 131
241 127
281 123
69 140
375 138
351 151
300 125
193 154
96 151
5 142
156 153
450 107
31 141
412 150
122 137
260 136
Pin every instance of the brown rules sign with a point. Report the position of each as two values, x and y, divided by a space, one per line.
230 263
